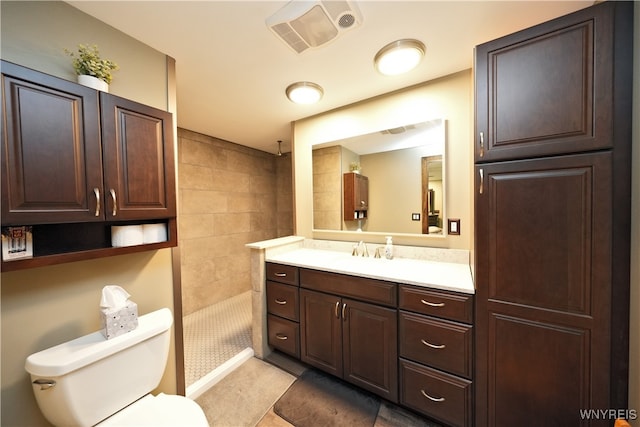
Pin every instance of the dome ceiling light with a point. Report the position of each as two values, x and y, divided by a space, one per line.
399 57
304 92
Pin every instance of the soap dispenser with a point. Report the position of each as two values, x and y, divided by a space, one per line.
388 248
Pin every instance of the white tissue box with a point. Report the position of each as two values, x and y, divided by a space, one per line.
119 321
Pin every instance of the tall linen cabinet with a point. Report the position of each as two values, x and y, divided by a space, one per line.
552 212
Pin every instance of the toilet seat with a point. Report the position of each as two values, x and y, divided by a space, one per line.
160 410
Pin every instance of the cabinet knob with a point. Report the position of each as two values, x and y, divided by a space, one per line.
481 144
337 309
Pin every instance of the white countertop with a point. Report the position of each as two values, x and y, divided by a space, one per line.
434 274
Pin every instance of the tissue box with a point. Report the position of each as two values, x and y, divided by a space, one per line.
119 321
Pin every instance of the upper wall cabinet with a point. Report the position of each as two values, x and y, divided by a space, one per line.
51 157
526 108
139 169
56 166
76 162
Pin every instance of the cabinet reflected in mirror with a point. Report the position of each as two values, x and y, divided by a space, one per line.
406 189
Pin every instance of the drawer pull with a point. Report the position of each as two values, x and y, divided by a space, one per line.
434 399
281 302
337 308
428 344
281 274
281 337
432 304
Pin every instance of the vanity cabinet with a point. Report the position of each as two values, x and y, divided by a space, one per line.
436 353
283 308
349 329
356 196
552 212
74 161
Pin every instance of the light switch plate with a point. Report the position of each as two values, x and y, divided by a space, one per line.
454 226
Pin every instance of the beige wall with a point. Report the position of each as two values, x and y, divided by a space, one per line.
228 196
395 189
45 306
327 188
448 98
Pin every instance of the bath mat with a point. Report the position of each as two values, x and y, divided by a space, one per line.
319 400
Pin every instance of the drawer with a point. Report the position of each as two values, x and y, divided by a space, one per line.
438 343
284 335
282 300
452 306
360 288
436 394
282 273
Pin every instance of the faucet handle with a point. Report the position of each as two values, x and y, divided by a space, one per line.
355 250
378 254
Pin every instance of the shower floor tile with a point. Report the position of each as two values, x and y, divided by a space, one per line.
215 334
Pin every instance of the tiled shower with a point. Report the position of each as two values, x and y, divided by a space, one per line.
228 195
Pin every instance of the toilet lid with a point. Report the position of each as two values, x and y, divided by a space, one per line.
160 410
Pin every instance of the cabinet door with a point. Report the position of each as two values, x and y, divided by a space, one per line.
356 196
548 89
51 156
139 164
321 331
370 343
543 289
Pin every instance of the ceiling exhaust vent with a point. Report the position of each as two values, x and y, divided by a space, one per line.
304 24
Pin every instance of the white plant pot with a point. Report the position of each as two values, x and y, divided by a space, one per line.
93 82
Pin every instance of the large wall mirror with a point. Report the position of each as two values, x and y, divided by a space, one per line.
404 169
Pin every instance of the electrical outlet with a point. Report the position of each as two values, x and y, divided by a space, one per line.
454 226
415 217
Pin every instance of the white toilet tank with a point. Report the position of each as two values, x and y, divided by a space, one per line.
86 380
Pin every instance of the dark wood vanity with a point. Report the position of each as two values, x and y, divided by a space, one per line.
411 345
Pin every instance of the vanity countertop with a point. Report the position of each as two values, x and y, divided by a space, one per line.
433 274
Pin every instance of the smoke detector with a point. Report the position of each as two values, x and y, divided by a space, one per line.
304 24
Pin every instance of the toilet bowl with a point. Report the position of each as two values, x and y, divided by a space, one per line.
94 381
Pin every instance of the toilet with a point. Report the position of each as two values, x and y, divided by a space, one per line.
94 381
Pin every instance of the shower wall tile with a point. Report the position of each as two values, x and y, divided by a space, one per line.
229 195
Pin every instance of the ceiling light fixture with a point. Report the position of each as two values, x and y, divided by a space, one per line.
399 57
304 93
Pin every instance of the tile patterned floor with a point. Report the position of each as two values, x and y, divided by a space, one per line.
215 334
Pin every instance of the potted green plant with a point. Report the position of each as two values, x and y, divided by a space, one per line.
92 71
